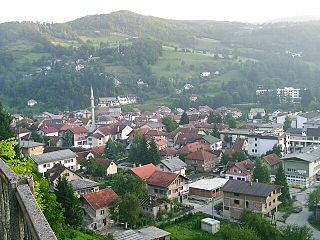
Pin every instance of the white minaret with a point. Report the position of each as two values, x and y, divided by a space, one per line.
93 119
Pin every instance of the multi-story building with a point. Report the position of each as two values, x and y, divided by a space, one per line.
293 93
302 167
257 197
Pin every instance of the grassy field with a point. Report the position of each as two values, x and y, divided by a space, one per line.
73 234
190 229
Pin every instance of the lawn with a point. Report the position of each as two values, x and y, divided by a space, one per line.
73 234
189 229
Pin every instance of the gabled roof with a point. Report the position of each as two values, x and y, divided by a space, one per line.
185 138
169 152
174 164
144 171
30 144
54 156
103 162
161 179
192 147
48 130
238 144
211 139
56 172
272 159
249 188
200 155
80 184
245 166
100 199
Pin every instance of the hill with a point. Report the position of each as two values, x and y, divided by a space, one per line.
41 61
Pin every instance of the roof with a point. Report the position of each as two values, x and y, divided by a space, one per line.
272 159
98 149
103 162
200 155
185 138
161 179
309 115
56 171
30 144
245 166
48 130
83 184
54 156
314 132
100 199
174 164
127 235
211 139
249 188
209 184
144 171
238 144
308 154
151 233
169 152
192 147
294 131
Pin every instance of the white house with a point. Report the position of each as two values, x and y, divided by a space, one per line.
46 161
31 103
205 74
255 111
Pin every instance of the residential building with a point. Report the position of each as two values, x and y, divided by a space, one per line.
170 185
241 170
31 103
30 148
201 160
257 197
173 164
294 94
272 161
144 171
302 167
206 189
152 206
60 171
212 142
96 208
84 186
109 165
254 112
47 161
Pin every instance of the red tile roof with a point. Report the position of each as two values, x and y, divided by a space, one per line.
100 199
272 159
161 179
200 155
238 144
103 162
185 138
192 147
98 150
245 166
144 171
48 130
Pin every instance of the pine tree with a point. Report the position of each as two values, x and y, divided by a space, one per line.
287 123
134 152
154 152
261 172
5 121
144 154
184 119
129 209
109 151
71 204
281 180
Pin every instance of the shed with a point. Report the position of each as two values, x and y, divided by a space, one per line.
210 225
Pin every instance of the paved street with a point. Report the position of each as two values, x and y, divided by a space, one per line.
302 217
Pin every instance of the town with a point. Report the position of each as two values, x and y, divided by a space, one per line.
133 173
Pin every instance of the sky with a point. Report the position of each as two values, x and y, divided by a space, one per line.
223 10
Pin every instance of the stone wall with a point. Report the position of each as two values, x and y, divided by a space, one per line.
20 216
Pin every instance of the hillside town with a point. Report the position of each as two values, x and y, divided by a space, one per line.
217 162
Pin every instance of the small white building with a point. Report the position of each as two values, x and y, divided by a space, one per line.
205 74
31 103
210 225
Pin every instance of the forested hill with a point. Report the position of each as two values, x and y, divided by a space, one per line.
41 60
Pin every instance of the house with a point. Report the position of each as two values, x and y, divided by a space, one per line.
206 189
240 144
47 161
152 206
48 131
170 185
84 186
60 171
205 74
30 148
302 118
200 160
31 103
301 168
144 171
96 208
161 144
272 161
192 147
173 164
77 135
241 170
109 165
254 112
154 126
257 197
212 142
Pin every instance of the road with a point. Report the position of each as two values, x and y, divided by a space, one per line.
301 218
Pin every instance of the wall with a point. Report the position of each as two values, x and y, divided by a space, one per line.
20 216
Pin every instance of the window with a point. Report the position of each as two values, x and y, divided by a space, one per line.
252 150
236 201
274 200
247 204
265 206
101 212
255 145
226 208
236 194
269 203
255 139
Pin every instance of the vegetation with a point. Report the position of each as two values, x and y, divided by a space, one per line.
170 123
184 119
276 149
239 156
314 199
261 172
5 120
287 123
114 150
91 167
281 180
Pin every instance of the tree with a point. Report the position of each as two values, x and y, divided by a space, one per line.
295 232
287 123
239 156
314 199
224 159
135 149
154 152
170 123
110 149
91 167
215 132
306 98
281 180
184 119
129 209
71 204
261 172
276 149
68 139
144 151
214 118
230 121
5 121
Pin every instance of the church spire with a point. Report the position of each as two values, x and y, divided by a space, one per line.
93 119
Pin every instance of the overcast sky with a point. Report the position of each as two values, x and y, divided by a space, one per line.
229 10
